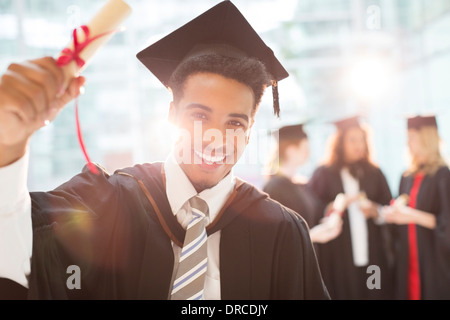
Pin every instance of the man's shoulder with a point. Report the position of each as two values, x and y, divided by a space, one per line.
146 172
141 170
134 185
263 208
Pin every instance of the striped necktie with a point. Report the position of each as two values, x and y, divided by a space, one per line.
190 277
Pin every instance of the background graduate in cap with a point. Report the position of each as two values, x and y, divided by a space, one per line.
349 174
125 231
423 232
282 185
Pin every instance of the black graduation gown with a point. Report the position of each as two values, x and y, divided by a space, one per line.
433 245
118 230
295 196
343 279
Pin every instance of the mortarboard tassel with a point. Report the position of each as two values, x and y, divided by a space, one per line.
276 102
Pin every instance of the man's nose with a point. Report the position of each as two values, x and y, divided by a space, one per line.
214 139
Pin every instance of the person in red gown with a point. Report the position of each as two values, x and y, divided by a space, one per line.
422 222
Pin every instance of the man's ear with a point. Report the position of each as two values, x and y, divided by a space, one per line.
172 113
252 121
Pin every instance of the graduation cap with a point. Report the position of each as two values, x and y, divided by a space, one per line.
346 123
418 122
222 30
292 132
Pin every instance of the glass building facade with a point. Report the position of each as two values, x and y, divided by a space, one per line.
382 59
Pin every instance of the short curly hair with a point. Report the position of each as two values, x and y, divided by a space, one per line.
246 70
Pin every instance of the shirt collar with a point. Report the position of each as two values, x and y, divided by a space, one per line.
179 189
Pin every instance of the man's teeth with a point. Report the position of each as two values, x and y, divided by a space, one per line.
209 159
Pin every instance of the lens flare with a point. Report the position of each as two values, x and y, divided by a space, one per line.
369 78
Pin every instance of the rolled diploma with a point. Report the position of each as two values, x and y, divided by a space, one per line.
108 20
339 203
363 201
402 200
335 215
338 208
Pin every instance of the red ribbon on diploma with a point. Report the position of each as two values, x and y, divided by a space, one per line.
90 165
68 55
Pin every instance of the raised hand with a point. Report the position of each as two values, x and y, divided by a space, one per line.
31 95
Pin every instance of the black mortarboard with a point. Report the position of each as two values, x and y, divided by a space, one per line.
220 27
418 122
347 123
291 132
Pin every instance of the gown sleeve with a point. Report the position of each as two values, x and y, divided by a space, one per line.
80 223
298 271
442 230
319 186
384 195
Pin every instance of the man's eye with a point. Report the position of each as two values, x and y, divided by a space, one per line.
199 116
236 123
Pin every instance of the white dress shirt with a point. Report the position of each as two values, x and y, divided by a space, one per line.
357 221
179 190
16 234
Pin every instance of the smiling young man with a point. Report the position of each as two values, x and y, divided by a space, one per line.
123 233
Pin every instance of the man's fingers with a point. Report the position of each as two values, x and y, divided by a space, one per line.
16 122
30 92
40 77
50 65
72 91
30 97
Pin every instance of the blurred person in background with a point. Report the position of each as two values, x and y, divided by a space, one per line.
284 186
422 215
349 175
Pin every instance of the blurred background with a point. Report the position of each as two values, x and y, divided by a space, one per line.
382 59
